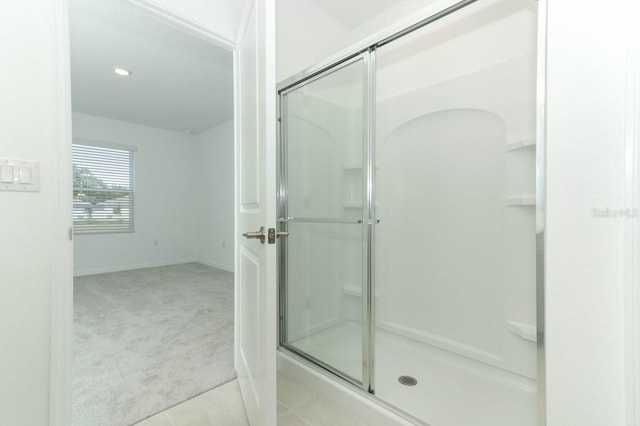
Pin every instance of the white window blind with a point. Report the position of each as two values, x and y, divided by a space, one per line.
103 189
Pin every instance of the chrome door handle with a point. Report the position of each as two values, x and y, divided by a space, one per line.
273 234
260 235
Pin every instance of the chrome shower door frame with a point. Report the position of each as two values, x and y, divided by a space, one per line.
368 50
366 219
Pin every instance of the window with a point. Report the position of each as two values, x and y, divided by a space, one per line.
103 188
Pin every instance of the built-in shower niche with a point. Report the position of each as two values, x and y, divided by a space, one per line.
352 186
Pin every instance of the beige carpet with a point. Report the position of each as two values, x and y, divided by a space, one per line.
148 339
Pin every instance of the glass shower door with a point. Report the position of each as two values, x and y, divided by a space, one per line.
321 206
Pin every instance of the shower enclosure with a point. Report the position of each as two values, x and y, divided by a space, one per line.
408 188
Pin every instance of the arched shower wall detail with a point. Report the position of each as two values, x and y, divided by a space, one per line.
436 158
412 250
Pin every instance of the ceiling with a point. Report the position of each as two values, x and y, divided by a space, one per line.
353 13
179 82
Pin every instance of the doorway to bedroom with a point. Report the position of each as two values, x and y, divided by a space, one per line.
152 150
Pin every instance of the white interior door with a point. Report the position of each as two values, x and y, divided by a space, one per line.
256 293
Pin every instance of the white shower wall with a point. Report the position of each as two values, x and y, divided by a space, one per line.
454 194
455 257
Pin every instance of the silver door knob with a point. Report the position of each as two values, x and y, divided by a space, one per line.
273 234
260 235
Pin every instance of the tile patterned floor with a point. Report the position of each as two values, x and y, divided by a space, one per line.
297 406
220 406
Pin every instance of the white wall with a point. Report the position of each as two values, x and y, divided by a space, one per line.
482 248
399 11
32 233
166 199
305 35
585 170
214 150
184 199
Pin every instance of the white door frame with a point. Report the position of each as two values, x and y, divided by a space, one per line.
632 225
61 288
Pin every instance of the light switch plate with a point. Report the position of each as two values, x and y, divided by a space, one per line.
25 175
7 174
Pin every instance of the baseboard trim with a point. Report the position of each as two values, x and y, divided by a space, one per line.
150 265
132 267
216 265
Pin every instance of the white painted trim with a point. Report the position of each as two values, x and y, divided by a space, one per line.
133 267
244 19
182 23
236 185
632 227
61 285
61 356
151 265
228 268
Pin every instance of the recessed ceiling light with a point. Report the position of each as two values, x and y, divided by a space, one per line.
123 72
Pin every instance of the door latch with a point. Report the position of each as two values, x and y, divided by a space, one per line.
273 234
257 235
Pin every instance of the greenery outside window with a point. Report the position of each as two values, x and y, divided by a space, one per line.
103 188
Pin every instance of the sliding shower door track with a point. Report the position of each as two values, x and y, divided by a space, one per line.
341 380
318 220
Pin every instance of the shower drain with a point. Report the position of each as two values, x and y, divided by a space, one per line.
407 381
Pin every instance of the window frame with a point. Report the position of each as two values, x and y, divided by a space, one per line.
132 150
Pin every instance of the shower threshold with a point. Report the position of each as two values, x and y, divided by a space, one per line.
451 390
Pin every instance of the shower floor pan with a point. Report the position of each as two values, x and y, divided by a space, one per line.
451 390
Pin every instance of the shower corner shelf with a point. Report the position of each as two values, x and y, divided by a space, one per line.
522 144
525 331
355 291
354 166
522 200
352 204
352 290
